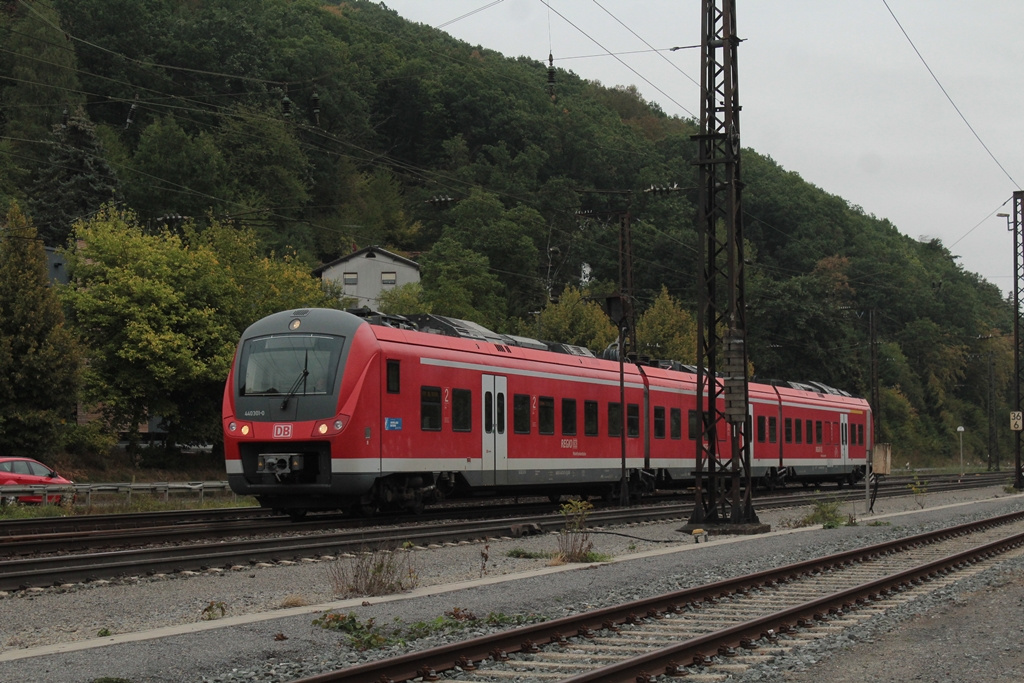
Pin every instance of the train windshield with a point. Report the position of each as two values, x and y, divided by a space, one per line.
293 365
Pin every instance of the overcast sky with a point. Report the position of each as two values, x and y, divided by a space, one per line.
830 89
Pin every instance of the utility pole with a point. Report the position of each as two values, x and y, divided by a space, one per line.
721 406
1018 281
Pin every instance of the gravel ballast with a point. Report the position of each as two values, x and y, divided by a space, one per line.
261 627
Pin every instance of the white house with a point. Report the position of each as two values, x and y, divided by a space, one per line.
364 274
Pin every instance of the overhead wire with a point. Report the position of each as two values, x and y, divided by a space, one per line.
948 96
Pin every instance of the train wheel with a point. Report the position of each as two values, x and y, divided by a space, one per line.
297 513
555 498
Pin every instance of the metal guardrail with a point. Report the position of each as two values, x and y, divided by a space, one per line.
84 492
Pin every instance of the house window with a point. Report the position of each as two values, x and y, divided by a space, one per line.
350 279
389 278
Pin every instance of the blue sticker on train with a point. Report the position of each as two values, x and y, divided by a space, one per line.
393 424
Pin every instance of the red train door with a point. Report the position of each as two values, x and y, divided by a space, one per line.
494 446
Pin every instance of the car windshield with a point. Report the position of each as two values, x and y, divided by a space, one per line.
294 365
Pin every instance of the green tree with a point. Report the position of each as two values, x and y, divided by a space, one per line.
161 315
457 282
573 319
75 182
39 358
41 83
667 331
173 172
405 300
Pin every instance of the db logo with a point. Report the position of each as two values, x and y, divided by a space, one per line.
282 431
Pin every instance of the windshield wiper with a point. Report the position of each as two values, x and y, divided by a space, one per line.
298 380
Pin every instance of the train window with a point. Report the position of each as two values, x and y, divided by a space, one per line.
675 428
810 431
546 415
694 426
614 419
762 428
501 413
842 435
590 426
835 433
568 417
773 427
350 278
798 429
860 435
430 409
789 430
488 412
521 413
817 432
632 420
394 376
462 410
659 422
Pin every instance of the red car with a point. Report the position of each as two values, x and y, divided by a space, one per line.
29 472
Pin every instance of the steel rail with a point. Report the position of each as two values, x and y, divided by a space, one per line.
43 571
497 645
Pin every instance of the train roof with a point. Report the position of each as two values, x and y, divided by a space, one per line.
465 329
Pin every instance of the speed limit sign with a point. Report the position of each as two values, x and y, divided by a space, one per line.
1016 420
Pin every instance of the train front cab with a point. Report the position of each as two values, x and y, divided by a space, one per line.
304 446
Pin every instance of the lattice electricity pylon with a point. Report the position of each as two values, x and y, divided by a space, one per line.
721 320
1018 352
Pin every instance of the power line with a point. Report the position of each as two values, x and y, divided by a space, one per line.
948 97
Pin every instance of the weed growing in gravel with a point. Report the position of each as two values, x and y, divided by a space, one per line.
521 554
574 544
918 488
826 513
367 634
215 610
293 601
373 572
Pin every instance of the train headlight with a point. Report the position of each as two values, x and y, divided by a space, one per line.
332 426
232 427
245 430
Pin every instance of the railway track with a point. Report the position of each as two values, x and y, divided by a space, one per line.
248 536
714 630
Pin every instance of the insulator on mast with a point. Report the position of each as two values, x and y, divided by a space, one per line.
551 75
131 113
286 105
315 100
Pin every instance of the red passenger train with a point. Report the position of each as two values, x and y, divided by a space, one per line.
325 409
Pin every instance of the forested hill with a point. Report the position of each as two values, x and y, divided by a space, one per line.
326 125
